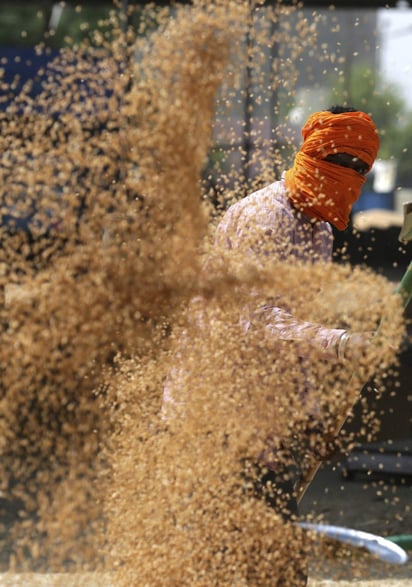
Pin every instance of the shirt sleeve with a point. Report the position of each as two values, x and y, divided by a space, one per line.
280 324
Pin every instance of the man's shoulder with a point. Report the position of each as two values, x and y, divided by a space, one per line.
272 190
261 210
271 196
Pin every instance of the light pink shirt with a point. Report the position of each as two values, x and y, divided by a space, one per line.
263 226
273 228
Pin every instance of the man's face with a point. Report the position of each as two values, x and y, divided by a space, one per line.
346 160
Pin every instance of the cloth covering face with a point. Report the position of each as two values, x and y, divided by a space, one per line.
325 190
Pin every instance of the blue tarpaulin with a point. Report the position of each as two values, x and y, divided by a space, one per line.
19 65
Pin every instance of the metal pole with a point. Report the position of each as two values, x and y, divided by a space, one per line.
247 141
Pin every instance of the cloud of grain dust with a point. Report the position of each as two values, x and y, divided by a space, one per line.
194 520
107 161
112 299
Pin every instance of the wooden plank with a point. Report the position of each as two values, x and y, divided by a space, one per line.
99 580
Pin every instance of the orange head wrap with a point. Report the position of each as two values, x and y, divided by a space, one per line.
322 189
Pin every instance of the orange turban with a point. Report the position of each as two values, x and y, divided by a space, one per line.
326 190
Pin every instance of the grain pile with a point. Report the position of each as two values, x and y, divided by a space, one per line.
110 157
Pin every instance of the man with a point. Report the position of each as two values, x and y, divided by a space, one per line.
290 220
